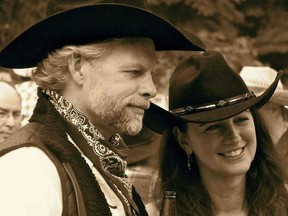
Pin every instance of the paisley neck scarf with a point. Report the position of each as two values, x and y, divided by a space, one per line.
106 155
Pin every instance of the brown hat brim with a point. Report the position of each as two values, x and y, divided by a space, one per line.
89 24
158 119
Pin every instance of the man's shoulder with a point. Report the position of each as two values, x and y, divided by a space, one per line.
25 158
25 136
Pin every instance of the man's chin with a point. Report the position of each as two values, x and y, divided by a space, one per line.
133 132
131 128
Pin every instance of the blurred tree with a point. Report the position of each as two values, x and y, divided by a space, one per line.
17 15
247 32
271 42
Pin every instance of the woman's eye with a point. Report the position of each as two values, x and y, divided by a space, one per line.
213 128
242 120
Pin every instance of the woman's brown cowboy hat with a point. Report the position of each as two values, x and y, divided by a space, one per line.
75 22
203 88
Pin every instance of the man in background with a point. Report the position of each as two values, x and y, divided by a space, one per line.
10 110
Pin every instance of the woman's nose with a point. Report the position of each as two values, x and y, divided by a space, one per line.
232 135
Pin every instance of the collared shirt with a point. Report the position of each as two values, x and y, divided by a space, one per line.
29 184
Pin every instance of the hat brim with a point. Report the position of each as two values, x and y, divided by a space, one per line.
90 24
158 119
280 96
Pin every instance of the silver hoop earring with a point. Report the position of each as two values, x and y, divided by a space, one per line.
189 161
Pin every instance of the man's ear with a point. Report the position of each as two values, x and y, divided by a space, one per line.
182 140
75 69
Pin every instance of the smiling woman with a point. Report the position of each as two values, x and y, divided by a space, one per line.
217 153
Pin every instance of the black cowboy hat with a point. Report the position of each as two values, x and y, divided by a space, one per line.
203 88
75 22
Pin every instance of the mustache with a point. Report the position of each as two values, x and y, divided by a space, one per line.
143 104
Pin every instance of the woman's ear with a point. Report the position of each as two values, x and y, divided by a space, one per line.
182 140
75 69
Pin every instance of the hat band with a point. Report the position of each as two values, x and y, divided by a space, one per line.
210 106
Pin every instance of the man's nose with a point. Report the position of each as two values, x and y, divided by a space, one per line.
10 120
147 87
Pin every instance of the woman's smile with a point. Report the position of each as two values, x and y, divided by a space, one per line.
234 153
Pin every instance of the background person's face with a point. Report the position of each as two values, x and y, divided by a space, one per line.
6 77
276 118
10 111
122 85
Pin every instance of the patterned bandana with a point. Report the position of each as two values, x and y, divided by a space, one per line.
109 154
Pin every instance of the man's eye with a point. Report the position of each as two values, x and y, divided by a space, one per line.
17 115
3 114
134 72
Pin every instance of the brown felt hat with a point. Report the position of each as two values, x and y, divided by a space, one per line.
204 88
75 22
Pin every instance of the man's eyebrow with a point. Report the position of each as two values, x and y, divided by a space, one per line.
7 110
131 64
3 109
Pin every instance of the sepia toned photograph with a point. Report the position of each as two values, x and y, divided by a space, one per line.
143 108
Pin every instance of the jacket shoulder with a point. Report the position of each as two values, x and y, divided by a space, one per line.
31 135
25 136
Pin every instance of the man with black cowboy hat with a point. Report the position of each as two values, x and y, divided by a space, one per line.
94 64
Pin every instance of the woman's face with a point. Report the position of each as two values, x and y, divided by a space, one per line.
224 148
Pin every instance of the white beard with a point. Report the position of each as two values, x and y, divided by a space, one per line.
106 106
129 124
